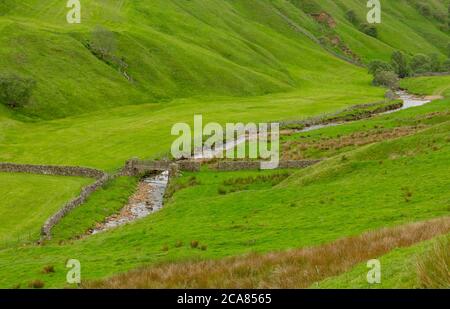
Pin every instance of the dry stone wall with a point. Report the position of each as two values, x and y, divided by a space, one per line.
76 171
135 167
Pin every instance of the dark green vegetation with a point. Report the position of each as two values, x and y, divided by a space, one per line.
112 87
387 74
15 91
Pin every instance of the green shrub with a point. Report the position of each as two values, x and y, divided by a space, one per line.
386 79
400 64
103 45
446 65
435 63
420 63
103 42
424 9
15 91
378 65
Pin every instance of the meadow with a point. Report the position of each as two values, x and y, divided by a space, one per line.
230 61
408 177
28 200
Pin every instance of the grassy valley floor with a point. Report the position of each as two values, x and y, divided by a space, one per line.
383 184
230 61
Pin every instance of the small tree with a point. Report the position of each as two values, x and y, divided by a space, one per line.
424 9
15 91
379 65
400 64
103 42
386 79
435 63
421 63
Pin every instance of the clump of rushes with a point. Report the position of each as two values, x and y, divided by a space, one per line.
48 269
178 244
194 244
222 191
433 267
407 194
165 248
36 284
203 247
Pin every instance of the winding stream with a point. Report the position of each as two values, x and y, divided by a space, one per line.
408 99
150 194
147 200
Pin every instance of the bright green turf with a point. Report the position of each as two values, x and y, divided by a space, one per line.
28 200
398 270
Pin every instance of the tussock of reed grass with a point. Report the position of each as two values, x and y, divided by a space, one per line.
433 268
297 268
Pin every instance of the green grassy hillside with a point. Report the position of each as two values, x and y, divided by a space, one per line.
181 48
231 61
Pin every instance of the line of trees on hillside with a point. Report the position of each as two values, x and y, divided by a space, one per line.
388 73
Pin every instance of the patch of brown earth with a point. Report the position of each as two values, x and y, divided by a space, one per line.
298 268
325 19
